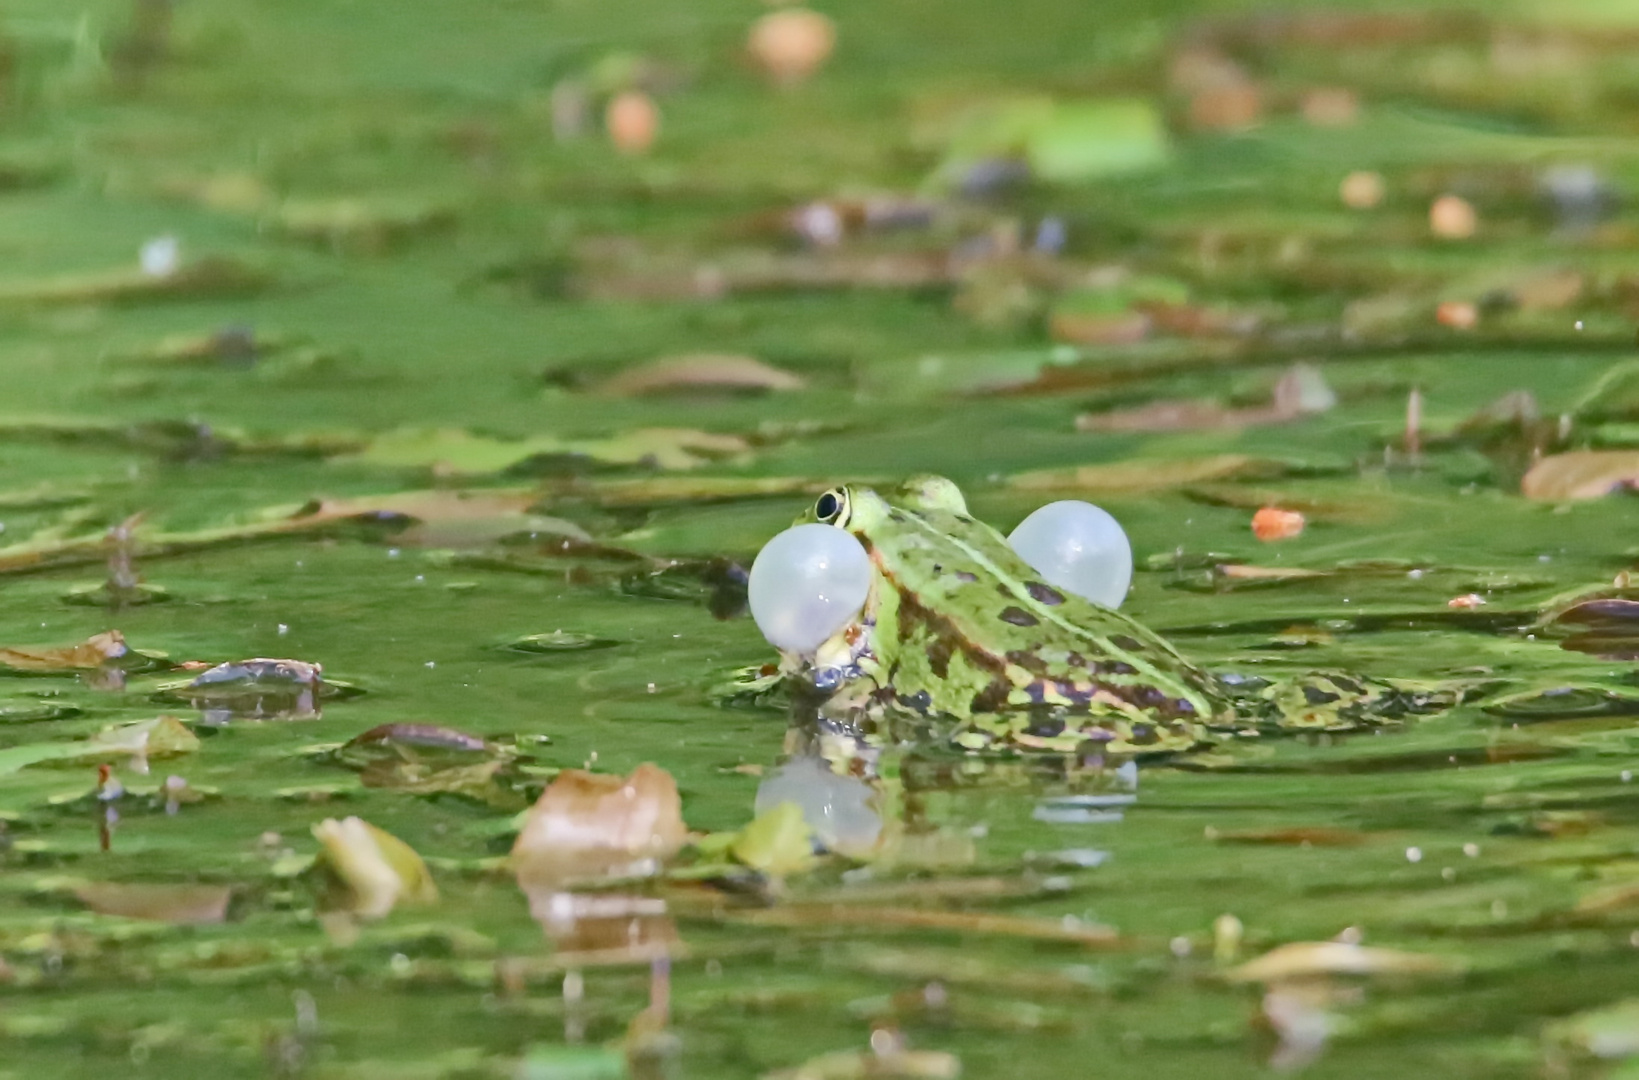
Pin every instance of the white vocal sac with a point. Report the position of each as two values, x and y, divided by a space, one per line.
806 584
1079 548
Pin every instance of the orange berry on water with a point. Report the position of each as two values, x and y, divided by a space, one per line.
633 121
1362 190
1273 523
1458 314
1452 217
791 45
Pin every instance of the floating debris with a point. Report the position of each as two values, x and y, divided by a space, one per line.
632 120
1271 523
1581 474
1310 959
790 45
260 688
180 904
95 652
1452 217
595 827
707 372
559 641
373 869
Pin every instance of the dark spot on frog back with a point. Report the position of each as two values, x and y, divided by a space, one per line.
1017 616
939 658
992 698
1043 594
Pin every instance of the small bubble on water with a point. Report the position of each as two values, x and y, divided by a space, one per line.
1449 873
1180 946
1579 324
651 688
432 663
1414 854
283 629
421 578
1545 557
1351 935
160 257
1415 575
1472 850
392 553
1627 774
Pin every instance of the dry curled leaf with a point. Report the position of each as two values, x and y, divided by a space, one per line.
376 869
90 653
702 371
1314 959
162 736
590 826
895 1064
180 904
1581 474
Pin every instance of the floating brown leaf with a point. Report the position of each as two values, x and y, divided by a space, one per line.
206 277
869 1065
962 922
702 371
591 826
1312 959
183 904
90 653
1581 474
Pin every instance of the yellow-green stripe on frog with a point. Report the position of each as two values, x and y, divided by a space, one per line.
956 624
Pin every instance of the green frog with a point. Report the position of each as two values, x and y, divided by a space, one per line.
956 626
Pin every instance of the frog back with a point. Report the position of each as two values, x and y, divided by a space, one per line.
978 631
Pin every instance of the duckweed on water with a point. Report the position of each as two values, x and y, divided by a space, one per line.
447 430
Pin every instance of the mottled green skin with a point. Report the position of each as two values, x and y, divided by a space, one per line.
957 625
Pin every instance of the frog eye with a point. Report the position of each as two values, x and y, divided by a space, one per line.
831 505
808 583
1079 548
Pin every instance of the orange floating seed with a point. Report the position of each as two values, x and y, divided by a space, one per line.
1273 523
1362 190
791 45
1458 314
633 121
1467 602
1452 217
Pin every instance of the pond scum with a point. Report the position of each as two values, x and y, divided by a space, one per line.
394 396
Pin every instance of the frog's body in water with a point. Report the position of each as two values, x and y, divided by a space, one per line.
957 625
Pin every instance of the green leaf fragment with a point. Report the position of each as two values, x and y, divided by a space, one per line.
778 841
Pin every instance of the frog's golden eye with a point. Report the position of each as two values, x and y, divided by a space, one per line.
831 506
